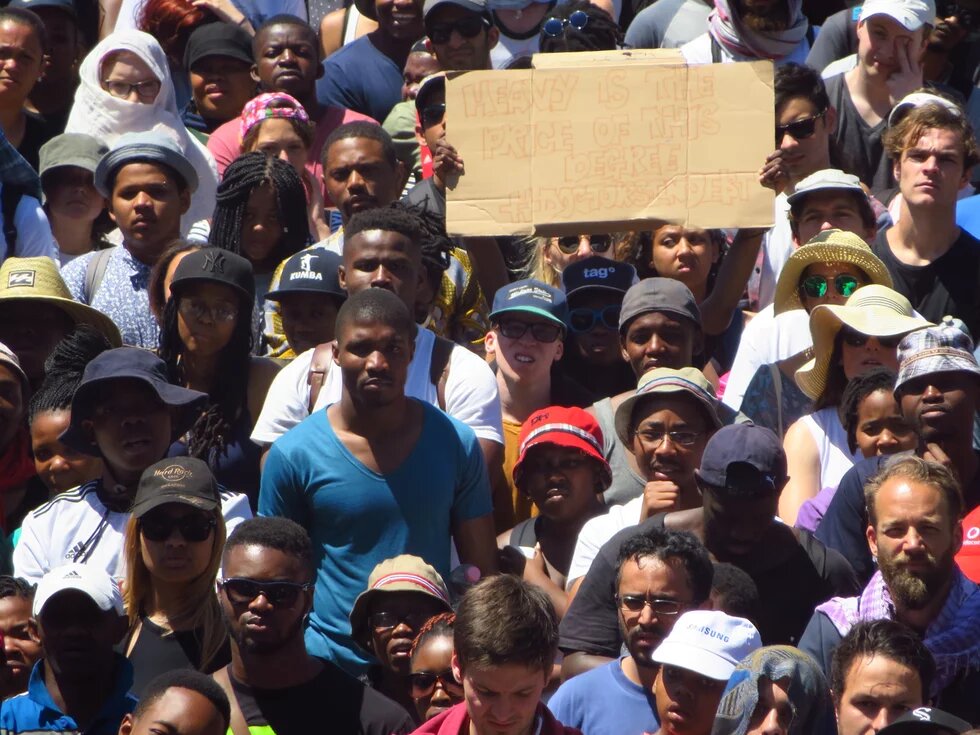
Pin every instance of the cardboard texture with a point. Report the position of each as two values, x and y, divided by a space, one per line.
609 141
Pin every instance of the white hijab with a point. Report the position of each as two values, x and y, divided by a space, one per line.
99 114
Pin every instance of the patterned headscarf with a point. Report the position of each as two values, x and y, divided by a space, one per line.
808 692
726 27
268 105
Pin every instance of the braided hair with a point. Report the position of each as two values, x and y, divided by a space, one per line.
855 392
600 33
438 625
437 248
228 395
64 367
245 174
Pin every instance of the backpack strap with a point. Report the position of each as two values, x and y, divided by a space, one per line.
95 272
10 195
715 50
442 350
237 724
319 367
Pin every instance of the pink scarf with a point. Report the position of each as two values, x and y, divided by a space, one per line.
726 28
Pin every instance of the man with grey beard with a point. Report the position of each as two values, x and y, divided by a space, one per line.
914 531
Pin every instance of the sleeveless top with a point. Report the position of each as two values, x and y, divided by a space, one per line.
626 484
831 439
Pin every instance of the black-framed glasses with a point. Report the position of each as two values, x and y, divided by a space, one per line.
424 682
636 603
656 437
146 90
569 244
816 286
585 320
201 311
469 26
541 331
799 129
387 620
432 115
241 590
854 338
555 27
193 528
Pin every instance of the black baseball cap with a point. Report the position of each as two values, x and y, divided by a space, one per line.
215 265
926 721
659 294
310 271
596 272
67 5
740 455
184 480
218 39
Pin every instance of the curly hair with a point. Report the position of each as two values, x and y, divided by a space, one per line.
855 392
906 133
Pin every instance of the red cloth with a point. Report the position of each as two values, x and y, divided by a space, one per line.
16 466
456 721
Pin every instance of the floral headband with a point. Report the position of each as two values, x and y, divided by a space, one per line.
271 105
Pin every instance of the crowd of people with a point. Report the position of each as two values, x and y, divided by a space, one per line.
283 451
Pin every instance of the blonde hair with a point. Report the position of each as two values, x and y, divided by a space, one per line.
200 607
537 266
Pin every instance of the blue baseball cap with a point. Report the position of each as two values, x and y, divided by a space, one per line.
533 297
740 455
597 272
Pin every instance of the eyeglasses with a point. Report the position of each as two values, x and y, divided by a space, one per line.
585 320
432 115
241 590
636 603
424 682
570 243
799 129
555 27
147 90
513 329
816 286
856 339
389 620
656 437
193 528
468 26
200 311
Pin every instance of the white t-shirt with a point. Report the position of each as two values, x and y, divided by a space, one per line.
508 49
34 236
471 392
777 246
598 531
77 527
698 51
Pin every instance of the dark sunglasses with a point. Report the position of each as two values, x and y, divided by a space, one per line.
193 528
513 329
432 115
555 27
585 320
799 129
389 620
636 603
856 339
816 286
241 590
468 26
424 682
570 243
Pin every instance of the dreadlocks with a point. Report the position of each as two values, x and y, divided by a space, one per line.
64 367
437 248
245 174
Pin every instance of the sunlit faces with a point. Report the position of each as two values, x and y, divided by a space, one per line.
686 701
21 60
357 176
127 77
70 193
221 86
881 428
561 481
400 19
308 319
877 691
804 152
684 254
434 686
501 700
526 357
287 59
940 405
206 316
931 170
881 39
827 210
147 202
860 352
374 359
182 556
60 467
669 436
462 39
418 66
659 339
278 137
394 619
382 259
829 272
21 649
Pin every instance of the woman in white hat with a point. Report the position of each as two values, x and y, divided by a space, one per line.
848 341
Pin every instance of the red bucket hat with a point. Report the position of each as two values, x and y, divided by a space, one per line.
564 427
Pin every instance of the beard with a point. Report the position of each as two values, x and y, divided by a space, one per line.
641 651
916 590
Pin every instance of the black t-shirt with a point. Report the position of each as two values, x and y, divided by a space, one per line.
158 651
330 702
947 285
37 132
788 592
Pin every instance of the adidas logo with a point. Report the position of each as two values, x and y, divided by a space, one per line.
72 575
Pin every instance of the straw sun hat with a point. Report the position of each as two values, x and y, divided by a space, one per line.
876 311
829 246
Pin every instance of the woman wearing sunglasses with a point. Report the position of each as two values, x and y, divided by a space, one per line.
551 255
172 551
434 687
848 341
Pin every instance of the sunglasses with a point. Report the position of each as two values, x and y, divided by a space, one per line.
657 437
570 243
555 27
816 286
585 320
856 339
389 620
432 115
469 26
799 129
241 590
636 603
424 683
512 329
193 528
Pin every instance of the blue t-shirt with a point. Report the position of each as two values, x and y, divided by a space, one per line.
357 518
604 701
361 78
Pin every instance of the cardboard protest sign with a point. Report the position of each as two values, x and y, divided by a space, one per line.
606 142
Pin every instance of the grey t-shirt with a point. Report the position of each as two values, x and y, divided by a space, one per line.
668 24
860 146
837 38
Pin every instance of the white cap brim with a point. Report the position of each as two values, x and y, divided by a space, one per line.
692 658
